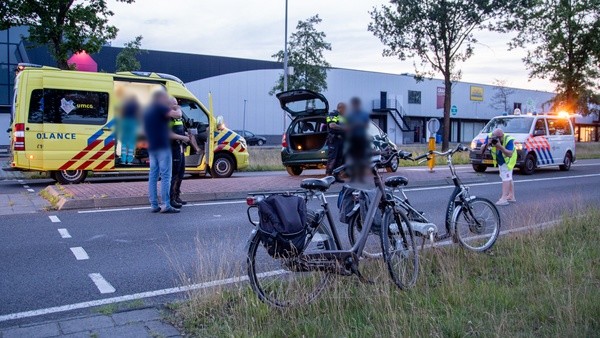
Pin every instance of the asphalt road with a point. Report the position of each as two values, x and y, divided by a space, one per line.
47 258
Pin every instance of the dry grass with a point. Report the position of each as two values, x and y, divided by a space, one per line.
589 150
264 159
536 284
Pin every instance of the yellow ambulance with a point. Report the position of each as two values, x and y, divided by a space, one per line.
66 123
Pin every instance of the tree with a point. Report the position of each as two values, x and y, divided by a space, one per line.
305 54
67 26
438 32
501 94
127 57
563 40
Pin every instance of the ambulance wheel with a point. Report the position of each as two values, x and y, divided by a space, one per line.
69 176
566 163
528 166
294 170
480 168
223 166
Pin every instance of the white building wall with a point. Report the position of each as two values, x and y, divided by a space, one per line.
264 116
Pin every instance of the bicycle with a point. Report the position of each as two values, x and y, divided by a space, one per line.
472 221
288 281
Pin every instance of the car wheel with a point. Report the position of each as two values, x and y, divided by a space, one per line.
260 142
223 166
566 162
528 166
294 170
393 166
479 167
69 176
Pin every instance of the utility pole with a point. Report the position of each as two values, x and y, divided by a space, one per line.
285 59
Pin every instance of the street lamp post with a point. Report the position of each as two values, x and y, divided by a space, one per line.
244 121
285 58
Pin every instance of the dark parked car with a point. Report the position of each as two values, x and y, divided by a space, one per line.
251 138
304 143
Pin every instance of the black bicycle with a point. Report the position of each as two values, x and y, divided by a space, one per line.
284 281
472 221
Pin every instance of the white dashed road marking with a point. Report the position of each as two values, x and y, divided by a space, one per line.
21 181
54 219
30 190
26 186
101 283
64 233
79 253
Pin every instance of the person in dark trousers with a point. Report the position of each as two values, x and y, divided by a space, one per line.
358 139
335 140
156 128
179 139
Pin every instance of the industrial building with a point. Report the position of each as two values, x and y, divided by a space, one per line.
240 89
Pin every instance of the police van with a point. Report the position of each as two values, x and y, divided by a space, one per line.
540 141
66 123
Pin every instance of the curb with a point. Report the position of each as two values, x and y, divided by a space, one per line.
68 203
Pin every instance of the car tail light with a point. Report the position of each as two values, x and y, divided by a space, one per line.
284 141
19 137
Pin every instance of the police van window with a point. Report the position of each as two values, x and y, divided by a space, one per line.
68 107
192 110
559 126
540 126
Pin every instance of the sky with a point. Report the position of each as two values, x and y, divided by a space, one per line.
255 29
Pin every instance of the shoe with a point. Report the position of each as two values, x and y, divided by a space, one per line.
170 211
178 200
512 200
176 205
502 202
154 209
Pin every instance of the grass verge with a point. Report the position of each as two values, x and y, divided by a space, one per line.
536 284
589 150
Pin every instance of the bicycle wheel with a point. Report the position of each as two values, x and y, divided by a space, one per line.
280 281
477 224
355 229
399 249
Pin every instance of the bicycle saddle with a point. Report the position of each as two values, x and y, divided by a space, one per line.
321 184
396 181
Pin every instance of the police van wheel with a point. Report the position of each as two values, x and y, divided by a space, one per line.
223 166
529 165
566 162
479 167
294 170
69 176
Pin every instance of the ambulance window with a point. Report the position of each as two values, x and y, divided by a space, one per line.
192 110
75 107
36 106
540 125
559 126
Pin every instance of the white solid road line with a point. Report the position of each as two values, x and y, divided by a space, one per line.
101 283
64 233
335 195
79 253
204 285
54 219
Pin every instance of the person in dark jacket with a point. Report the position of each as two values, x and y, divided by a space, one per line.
335 139
179 139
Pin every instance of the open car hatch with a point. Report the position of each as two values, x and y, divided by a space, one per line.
303 102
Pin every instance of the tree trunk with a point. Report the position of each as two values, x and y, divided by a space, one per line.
447 104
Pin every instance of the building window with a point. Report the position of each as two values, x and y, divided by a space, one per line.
414 97
68 106
516 105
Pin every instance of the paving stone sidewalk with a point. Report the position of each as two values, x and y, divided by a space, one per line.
134 324
104 195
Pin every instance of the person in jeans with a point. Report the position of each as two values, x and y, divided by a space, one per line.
156 127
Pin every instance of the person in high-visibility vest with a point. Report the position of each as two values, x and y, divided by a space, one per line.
504 156
179 139
335 139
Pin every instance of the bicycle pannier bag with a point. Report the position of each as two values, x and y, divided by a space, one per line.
282 224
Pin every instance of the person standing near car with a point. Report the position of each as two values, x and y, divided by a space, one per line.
504 156
335 139
179 138
156 128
